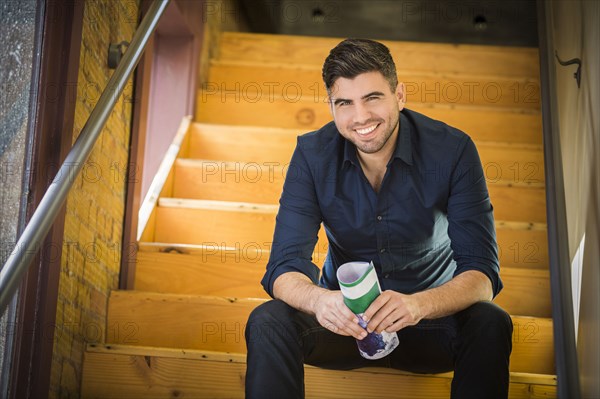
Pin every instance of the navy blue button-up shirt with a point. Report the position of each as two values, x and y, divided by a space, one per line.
431 220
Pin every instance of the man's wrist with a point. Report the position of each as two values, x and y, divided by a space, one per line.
425 304
315 295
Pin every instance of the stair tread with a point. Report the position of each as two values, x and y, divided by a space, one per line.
217 323
230 357
225 224
225 92
305 114
311 67
423 56
273 171
223 128
116 373
236 272
288 81
192 204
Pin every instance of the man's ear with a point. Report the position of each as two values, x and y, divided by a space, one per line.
401 95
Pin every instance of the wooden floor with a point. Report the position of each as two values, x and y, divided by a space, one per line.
209 224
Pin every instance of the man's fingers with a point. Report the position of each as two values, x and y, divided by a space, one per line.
342 328
397 325
350 326
333 327
377 304
376 323
389 320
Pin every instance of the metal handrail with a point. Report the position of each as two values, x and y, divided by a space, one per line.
30 240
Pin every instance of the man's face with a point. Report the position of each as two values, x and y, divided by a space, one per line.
365 110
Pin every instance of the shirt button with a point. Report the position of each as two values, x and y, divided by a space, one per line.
379 217
386 276
382 250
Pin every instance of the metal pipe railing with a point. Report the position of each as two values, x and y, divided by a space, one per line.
30 240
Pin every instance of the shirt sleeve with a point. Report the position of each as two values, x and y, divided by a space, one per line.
471 219
297 225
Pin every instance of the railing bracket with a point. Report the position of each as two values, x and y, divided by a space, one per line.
115 53
577 74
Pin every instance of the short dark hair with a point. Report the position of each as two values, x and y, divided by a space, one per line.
352 57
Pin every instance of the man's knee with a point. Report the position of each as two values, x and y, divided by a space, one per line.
488 320
268 320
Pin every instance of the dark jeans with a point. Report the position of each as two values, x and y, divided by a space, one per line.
475 343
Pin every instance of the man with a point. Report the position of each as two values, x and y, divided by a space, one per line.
408 193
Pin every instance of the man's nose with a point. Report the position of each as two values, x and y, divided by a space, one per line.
361 113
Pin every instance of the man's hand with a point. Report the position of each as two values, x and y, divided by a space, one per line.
391 311
333 314
301 293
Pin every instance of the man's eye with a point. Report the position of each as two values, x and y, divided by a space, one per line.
372 98
341 103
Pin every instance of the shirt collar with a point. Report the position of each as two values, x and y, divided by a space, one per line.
403 149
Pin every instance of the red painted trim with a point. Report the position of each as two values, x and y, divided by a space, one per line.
173 51
141 95
52 131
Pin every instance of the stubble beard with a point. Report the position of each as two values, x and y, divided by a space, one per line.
377 144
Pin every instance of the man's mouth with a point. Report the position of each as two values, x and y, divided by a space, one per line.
366 130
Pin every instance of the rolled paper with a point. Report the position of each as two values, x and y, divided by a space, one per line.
360 286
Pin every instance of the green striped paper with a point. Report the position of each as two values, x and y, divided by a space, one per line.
359 285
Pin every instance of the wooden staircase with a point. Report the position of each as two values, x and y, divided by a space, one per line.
206 242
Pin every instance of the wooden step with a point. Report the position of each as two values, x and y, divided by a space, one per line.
232 224
518 203
522 244
237 273
268 144
233 143
255 80
218 323
225 224
409 56
270 147
229 181
120 371
262 182
304 114
200 223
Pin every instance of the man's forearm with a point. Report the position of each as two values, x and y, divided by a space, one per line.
298 291
327 306
457 294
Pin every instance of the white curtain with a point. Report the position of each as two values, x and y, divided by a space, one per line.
576 29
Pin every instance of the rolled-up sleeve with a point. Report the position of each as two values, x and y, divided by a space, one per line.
470 216
297 225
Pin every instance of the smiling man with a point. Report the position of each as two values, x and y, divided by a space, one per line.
408 193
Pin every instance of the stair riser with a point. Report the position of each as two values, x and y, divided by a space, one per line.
256 81
520 162
232 274
218 325
256 183
410 56
306 115
122 376
247 231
